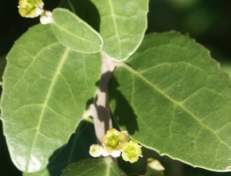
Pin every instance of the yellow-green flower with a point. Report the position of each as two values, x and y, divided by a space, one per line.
114 140
30 8
131 152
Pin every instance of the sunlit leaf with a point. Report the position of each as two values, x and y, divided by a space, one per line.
74 33
173 97
45 90
122 25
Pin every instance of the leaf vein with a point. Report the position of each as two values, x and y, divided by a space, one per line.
46 101
146 81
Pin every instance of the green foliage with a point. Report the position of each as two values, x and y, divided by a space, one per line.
79 141
169 95
96 167
176 94
122 26
45 90
74 33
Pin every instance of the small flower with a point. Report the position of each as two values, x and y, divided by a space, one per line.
114 140
116 143
30 8
111 139
131 152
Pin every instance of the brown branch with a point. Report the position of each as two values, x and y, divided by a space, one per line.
100 110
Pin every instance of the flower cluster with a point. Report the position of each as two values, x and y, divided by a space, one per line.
33 9
117 143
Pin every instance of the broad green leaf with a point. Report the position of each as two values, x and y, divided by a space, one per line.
173 97
96 167
76 149
45 90
74 33
122 26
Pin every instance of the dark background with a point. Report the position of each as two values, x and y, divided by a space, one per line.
208 21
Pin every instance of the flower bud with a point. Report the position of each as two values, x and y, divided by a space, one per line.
96 150
155 165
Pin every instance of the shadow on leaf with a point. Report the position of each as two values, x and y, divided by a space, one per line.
76 149
123 114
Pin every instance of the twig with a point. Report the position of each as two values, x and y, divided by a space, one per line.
100 110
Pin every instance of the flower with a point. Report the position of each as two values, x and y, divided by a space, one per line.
114 140
131 152
116 143
111 139
30 8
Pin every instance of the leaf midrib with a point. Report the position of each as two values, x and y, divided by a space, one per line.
46 101
72 34
109 167
113 16
179 104
33 61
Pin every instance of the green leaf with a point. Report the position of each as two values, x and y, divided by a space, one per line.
82 9
45 90
226 66
122 26
173 97
74 33
96 167
41 173
2 65
76 149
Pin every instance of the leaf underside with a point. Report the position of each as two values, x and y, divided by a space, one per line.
173 97
96 167
123 24
74 33
45 90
